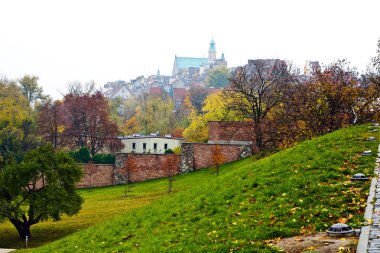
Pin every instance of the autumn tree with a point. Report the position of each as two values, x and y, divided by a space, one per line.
217 158
182 114
86 122
15 113
49 122
256 89
130 164
376 60
131 126
331 99
42 187
215 108
155 114
171 167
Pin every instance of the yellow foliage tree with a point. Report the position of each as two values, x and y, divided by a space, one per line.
130 126
14 111
215 108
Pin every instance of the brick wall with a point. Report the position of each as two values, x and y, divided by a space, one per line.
230 131
202 154
142 167
96 175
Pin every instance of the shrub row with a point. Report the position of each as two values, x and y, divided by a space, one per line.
83 155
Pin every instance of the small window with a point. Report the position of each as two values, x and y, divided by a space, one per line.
155 146
144 146
134 145
344 229
165 146
337 230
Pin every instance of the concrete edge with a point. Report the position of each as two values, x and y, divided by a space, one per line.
363 240
365 230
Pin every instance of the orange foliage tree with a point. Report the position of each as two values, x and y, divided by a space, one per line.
217 158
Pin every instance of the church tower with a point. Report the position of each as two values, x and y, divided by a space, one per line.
212 52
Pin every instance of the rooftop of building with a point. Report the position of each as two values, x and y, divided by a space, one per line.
188 62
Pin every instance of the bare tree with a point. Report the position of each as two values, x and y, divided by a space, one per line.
79 89
256 89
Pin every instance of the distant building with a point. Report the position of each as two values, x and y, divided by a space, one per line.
117 89
311 67
193 66
149 144
265 66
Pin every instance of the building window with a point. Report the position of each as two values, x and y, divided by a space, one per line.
165 146
155 146
134 146
144 146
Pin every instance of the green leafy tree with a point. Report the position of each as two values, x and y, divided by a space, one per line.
39 188
30 89
218 77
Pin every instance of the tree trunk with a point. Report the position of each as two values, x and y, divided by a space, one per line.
23 228
259 136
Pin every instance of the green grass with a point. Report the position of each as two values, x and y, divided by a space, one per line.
296 191
100 205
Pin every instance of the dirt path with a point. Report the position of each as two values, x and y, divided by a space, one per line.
319 242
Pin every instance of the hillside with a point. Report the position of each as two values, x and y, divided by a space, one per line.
296 191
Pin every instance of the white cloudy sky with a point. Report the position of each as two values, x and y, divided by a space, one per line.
62 41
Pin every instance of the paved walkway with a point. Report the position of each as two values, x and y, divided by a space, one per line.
6 250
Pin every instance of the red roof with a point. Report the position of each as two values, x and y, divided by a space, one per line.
179 94
155 90
213 90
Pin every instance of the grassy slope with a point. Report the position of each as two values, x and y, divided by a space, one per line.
100 204
299 190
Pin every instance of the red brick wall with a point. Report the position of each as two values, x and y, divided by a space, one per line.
143 167
203 154
96 175
230 131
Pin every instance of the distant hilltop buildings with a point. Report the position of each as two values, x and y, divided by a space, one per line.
192 67
187 72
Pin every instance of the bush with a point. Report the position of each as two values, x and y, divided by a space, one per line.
177 150
81 156
169 151
103 159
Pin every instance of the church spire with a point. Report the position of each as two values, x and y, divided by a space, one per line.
212 51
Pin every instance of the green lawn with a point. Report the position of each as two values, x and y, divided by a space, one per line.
299 190
100 204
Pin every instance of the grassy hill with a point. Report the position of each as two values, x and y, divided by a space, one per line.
296 191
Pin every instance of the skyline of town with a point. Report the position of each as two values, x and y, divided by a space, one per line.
90 40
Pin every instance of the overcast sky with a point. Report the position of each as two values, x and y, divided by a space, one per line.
62 41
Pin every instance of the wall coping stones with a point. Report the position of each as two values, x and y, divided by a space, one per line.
369 240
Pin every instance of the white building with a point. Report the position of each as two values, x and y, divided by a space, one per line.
149 144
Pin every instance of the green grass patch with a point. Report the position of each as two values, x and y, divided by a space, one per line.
300 190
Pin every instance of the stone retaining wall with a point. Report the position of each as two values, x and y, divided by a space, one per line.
199 155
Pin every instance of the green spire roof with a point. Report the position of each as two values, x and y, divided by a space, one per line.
212 46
